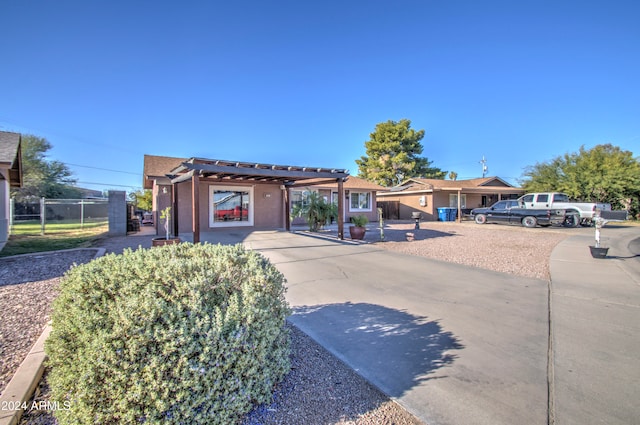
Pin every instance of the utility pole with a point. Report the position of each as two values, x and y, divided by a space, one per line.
485 168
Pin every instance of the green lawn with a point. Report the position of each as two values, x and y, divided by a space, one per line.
25 238
53 227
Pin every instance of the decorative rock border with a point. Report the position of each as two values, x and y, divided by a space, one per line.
15 397
24 382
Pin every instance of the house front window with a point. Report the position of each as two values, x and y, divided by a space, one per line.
230 206
453 201
360 201
299 200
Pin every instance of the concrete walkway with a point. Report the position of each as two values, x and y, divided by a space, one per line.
460 345
596 329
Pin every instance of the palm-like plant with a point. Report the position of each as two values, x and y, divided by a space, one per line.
315 210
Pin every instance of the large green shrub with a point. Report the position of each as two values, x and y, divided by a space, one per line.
188 334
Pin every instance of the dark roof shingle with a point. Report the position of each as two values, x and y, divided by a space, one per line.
9 143
158 166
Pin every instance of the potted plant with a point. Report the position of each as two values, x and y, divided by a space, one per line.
358 230
165 215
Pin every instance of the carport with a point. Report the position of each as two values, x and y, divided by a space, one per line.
201 173
425 196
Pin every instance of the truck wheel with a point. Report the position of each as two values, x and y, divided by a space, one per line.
529 221
481 219
572 220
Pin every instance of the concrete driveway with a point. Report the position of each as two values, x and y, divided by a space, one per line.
459 345
452 344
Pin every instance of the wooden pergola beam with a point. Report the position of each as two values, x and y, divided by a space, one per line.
174 207
341 209
281 174
287 213
304 183
182 177
195 207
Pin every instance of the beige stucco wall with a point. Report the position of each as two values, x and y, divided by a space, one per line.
475 200
269 206
184 207
410 203
440 199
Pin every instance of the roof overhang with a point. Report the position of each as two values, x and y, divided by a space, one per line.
479 190
485 189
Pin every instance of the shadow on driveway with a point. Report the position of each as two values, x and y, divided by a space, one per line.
391 348
392 233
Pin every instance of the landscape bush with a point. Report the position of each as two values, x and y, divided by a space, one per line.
184 333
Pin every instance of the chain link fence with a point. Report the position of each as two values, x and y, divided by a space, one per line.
47 216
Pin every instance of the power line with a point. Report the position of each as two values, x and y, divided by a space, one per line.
103 169
110 184
63 136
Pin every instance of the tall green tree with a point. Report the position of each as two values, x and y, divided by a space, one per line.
143 199
604 173
43 177
393 155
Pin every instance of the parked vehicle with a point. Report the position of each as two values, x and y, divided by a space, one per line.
511 211
235 214
147 218
577 213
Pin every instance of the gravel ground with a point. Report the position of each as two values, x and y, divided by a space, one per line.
320 389
502 248
28 285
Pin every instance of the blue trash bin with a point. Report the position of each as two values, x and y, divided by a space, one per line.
443 214
453 214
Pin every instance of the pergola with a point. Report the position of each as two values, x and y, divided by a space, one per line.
289 176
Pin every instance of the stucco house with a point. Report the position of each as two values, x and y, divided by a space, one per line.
10 176
427 195
210 194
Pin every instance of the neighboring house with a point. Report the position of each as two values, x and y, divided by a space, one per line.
360 197
10 176
91 193
208 194
427 195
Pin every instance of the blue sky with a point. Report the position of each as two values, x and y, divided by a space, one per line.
305 83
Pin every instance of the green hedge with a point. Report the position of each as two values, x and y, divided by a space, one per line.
180 334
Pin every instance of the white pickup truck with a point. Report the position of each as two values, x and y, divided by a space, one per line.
576 213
